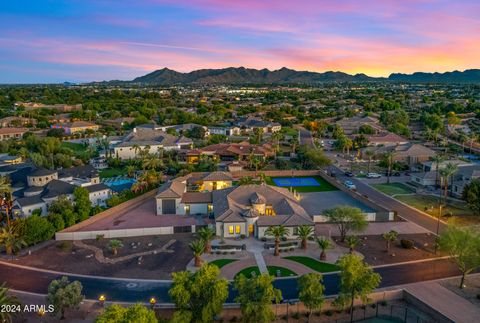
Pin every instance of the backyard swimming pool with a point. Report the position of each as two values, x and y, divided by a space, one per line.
295 181
119 184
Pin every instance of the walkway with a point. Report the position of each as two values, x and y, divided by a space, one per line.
444 301
374 228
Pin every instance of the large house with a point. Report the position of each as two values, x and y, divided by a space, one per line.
237 210
38 188
75 127
59 107
250 123
409 154
12 133
153 139
17 121
352 125
463 177
386 139
229 152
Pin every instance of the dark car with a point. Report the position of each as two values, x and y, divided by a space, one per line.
393 173
333 174
349 174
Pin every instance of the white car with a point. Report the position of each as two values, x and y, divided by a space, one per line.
373 175
350 185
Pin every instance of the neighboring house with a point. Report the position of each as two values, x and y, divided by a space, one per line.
238 210
38 188
224 130
352 125
12 133
6 159
118 122
386 139
182 129
229 152
249 124
76 127
464 176
16 122
412 154
424 178
152 139
431 165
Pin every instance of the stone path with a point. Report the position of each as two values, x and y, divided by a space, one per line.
229 271
99 256
444 301
260 261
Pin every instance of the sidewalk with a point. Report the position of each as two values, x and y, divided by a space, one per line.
447 303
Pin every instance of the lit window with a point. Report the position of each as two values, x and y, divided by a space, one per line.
209 208
187 209
237 229
230 229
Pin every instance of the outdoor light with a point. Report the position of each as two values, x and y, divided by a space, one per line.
41 312
153 301
102 299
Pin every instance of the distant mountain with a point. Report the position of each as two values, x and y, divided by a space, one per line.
241 75
468 76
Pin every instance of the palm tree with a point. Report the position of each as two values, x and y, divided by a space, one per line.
437 160
6 301
352 242
6 191
206 235
390 237
278 232
114 245
131 170
136 148
304 232
472 138
197 246
276 136
324 244
447 174
389 159
369 154
11 238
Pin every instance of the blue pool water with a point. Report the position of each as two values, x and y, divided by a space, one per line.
119 184
295 181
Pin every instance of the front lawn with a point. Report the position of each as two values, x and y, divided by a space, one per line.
393 188
429 204
76 147
222 262
323 187
321 267
112 172
272 270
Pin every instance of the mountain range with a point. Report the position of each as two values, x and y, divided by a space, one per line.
241 75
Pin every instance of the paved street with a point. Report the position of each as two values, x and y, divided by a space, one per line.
127 290
305 137
389 203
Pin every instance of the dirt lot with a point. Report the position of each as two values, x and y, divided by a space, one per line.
374 248
73 259
471 290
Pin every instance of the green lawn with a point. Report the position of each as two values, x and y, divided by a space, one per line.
321 267
77 148
111 172
393 188
222 262
272 270
324 185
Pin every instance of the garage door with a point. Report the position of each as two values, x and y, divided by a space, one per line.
168 207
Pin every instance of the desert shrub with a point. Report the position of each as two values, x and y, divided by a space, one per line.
407 243
65 246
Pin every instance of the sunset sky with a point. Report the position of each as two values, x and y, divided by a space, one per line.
86 40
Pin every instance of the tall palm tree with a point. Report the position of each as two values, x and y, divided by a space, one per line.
437 160
369 154
390 237
324 244
304 232
206 235
278 232
276 137
6 301
136 148
352 242
389 159
447 174
197 246
11 238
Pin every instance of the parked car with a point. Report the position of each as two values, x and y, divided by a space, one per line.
393 173
333 174
373 175
349 174
350 185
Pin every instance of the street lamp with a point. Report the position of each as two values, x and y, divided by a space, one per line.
102 299
438 225
153 301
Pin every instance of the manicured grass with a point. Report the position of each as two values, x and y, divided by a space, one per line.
324 185
284 272
111 172
74 146
393 188
321 267
272 270
222 262
247 272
